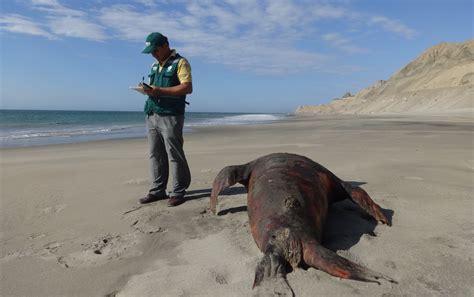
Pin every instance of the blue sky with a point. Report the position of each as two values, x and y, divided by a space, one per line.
246 56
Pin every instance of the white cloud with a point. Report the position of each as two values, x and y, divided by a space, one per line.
342 43
55 8
254 41
245 33
329 11
70 26
132 25
147 3
19 24
392 26
68 22
260 36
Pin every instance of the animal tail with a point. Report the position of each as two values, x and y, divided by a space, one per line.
227 177
272 265
317 256
273 269
361 198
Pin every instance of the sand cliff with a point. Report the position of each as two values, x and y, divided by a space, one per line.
440 80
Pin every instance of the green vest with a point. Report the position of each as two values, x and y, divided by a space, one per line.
168 77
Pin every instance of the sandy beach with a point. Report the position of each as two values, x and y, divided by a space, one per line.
71 225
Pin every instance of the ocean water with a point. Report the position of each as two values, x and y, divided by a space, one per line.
19 128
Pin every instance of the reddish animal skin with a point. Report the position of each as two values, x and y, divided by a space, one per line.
288 200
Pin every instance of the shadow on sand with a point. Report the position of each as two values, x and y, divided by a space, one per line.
206 193
347 222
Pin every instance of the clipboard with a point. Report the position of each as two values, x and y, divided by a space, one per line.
140 88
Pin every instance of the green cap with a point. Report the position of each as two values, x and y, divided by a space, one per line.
153 40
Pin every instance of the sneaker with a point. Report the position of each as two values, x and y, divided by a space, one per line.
151 198
175 201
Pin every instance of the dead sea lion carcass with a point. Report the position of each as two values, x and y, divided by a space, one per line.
288 199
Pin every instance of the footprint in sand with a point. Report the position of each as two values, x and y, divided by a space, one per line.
145 227
390 264
53 209
49 251
413 178
36 235
146 219
16 255
447 242
102 250
219 277
137 181
431 285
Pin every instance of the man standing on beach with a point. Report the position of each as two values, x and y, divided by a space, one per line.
170 80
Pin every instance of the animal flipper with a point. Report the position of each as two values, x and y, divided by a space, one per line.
317 256
361 198
227 177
